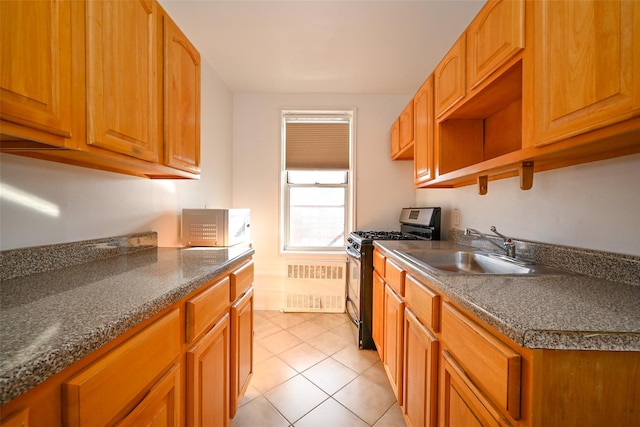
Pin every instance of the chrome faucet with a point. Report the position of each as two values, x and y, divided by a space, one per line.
507 244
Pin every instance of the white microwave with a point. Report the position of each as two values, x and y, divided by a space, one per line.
215 227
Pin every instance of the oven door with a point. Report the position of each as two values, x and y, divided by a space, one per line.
354 282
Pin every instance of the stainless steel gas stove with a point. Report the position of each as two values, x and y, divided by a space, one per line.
415 224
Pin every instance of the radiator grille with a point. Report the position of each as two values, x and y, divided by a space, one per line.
329 303
316 287
313 271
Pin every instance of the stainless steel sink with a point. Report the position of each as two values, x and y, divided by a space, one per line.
472 262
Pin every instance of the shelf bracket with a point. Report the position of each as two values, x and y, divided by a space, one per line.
526 176
483 183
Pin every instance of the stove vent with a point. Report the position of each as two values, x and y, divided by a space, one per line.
315 287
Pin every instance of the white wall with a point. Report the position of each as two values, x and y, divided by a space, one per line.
94 204
382 186
592 206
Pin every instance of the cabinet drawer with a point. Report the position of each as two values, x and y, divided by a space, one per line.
17 419
161 406
110 387
378 262
462 403
394 276
206 307
492 366
424 302
241 280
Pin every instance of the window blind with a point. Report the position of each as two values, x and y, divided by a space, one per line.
317 145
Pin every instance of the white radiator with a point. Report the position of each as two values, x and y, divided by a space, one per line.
315 287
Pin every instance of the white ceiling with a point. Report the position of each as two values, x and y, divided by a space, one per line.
323 46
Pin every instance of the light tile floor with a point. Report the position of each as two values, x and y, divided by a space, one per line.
309 372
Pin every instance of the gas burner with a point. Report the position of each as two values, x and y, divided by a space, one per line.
385 235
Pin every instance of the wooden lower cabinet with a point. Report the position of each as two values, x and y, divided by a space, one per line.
208 378
174 369
393 339
111 388
378 314
17 419
420 373
241 348
161 407
493 365
449 368
461 403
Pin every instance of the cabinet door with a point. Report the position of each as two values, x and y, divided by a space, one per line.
394 137
105 390
123 77
241 348
493 365
161 407
181 100
461 403
17 419
450 76
378 314
420 373
423 142
406 125
393 342
493 37
208 378
36 70
587 66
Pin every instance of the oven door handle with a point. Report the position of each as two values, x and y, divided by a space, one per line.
352 252
355 309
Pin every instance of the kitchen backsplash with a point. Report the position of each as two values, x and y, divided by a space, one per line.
39 259
605 265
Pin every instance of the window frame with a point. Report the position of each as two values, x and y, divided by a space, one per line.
285 186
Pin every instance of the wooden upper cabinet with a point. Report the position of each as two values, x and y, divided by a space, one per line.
406 126
402 135
493 37
423 156
123 77
394 138
587 66
450 77
36 71
181 100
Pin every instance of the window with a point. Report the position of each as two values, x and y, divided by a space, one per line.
316 184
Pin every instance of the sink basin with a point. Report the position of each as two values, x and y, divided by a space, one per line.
471 262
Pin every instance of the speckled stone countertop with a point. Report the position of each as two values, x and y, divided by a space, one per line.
567 310
52 318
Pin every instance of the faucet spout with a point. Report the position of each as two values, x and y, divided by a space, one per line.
507 243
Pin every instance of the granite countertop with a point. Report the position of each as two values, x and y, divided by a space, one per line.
53 318
567 311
